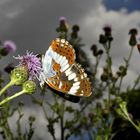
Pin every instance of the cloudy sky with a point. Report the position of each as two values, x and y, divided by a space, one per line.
31 25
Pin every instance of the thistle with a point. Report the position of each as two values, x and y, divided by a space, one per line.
18 76
133 33
27 88
32 63
7 47
28 69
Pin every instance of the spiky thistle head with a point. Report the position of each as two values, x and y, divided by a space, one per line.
32 63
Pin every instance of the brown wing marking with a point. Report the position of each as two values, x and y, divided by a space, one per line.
64 49
85 85
85 89
55 83
56 67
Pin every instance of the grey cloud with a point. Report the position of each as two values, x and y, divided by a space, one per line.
36 24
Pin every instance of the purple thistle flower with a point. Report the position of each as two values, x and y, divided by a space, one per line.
9 45
62 19
32 62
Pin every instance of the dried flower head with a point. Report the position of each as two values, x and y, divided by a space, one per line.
75 28
107 28
93 47
133 31
32 63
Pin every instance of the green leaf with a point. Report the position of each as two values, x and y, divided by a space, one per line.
69 109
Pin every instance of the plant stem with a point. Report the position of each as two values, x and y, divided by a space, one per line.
6 87
62 121
126 66
109 97
129 57
127 117
136 82
4 115
62 128
120 84
109 64
86 104
12 97
138 129
96 65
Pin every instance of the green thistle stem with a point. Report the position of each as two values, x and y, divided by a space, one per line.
137 128
96 65
12 97
11 83
109 65
129 57
126 66
125 115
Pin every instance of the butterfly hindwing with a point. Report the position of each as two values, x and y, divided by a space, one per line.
73 81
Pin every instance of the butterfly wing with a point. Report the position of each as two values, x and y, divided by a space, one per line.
70 77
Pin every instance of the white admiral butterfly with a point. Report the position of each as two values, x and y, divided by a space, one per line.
61 72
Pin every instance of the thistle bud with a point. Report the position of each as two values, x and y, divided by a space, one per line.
100 52
133 31
8 47
94 49
29 87
75 28
19 75
104 77
133 41
102 39
63 26
107 29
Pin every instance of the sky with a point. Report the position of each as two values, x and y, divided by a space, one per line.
130 5
31 25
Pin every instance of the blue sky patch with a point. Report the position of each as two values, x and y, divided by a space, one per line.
130 5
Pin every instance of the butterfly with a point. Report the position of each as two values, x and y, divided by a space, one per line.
61 72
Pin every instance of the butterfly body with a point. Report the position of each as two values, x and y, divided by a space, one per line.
61 72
